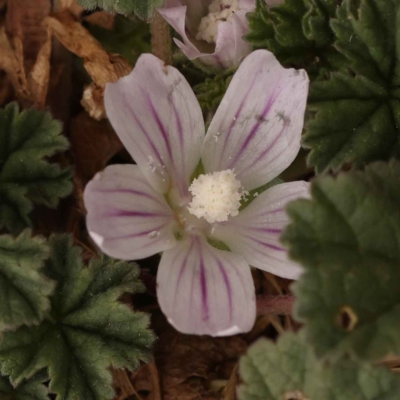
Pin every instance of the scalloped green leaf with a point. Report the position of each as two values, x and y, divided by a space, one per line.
288 370
27 138
32 389
297 32
347 237
24 290
88 329
357 109
144 9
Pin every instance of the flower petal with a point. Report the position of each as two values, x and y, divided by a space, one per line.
176 17
230 47
247 5
206 291
255 232
126 217
257 128
157 117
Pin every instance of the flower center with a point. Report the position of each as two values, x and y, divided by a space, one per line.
216 196
219 11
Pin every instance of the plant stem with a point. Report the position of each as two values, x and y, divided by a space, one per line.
161 38
275 305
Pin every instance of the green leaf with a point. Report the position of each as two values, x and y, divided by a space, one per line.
191 70
297 32
24 291
88 330
288 370
32 389
212 89
26 138
129 38
144 9
347 237
357 110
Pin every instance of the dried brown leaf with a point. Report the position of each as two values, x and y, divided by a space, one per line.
101 18
155 381
11 61
188 364
39 76
123 385
94 143
71 5
93 101
28 48
24 20
141 380
390 361
273 285
100 65
229 392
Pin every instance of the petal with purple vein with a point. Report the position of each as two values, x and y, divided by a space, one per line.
205 291
255 232
156 115
126 217
257 127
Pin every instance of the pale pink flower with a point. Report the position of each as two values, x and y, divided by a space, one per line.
211 30
135 211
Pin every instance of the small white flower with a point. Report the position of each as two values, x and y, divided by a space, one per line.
211 30
135 211
219 11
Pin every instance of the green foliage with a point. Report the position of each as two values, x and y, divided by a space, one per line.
350 46
24 290
144 9
193 72
26 138
87 330
212 89
357 110
297 32
31 389
129 37
348 240
289 370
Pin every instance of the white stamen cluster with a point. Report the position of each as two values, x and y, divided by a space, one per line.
219 11
216 196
